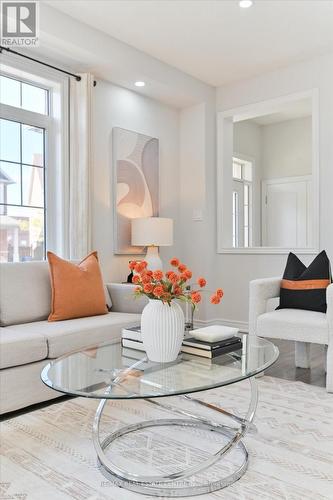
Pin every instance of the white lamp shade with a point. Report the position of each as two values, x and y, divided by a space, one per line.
148 231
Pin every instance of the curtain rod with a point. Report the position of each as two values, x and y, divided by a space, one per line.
77 77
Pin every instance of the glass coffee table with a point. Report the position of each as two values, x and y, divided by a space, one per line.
111 372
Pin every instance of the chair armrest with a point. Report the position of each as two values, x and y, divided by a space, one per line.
123 299
260 291
329 300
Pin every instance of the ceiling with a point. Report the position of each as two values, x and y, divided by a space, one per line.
301 108
214 40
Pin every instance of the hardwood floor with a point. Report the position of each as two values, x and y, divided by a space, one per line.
285 365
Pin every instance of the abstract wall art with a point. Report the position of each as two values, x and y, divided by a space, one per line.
136 184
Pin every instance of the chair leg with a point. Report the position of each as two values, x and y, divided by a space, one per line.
302 354
329 369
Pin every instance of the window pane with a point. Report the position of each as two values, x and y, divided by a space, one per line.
246 215
236 170
246 236
33 186
32 145
235 219
34 99
21 234
10 183
10 91
247 171
246 194
9 140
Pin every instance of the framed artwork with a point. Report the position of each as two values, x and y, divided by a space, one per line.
136 184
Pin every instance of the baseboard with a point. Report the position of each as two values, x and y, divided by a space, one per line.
241 325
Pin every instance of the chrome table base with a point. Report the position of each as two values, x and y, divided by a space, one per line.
182 483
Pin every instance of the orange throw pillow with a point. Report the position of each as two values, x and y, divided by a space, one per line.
77 289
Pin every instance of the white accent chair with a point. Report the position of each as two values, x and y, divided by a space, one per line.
304 327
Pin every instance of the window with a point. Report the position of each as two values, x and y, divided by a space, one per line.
29 114
24 95
242 172
22 191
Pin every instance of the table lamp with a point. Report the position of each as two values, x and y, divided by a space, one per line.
152 232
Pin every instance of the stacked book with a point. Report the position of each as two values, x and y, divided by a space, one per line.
211 349
131 338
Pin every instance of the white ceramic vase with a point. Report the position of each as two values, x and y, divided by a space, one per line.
162 329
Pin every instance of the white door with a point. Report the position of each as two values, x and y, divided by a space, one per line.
286 212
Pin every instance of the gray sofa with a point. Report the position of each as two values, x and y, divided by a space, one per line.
28 341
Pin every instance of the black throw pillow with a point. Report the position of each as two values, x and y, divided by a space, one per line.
305 287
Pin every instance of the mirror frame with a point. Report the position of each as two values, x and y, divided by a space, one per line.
248 112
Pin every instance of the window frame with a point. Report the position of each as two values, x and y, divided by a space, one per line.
56 154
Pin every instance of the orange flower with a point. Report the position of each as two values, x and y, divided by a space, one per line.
188 274
177 290
219 293
168 274
145 278
140 266
215 299
132 264
174 262
174 278
181 268
138 289
183 277
157 275
202 282
148 288
158 291
149 273
136 279
196 297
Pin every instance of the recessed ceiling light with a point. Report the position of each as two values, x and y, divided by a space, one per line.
139 84
245 4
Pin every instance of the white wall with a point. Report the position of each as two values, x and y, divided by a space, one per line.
118 107
197 158
287 148
234 272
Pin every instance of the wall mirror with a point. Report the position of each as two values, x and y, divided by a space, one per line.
267 176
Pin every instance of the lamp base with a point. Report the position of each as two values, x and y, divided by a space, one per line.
153 259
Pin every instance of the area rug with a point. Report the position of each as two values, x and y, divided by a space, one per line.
48 454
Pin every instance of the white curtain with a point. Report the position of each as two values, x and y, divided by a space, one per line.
80 159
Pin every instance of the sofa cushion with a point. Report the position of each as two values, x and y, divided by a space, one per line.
25 292
65 336
77 289
305 287
294 324
19 347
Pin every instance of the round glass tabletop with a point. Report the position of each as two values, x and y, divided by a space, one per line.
110 371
